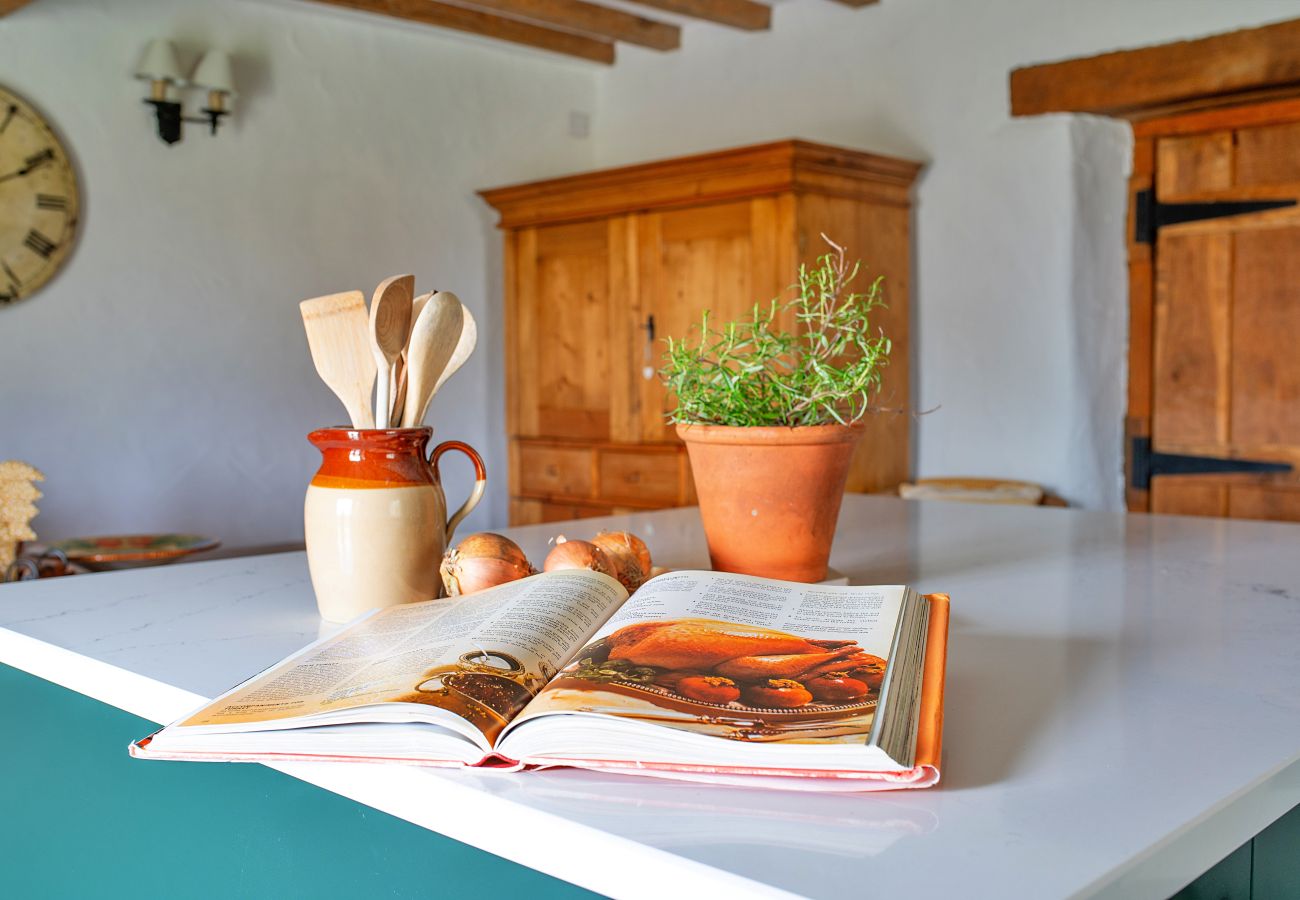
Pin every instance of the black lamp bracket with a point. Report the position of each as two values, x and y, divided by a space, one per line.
170 119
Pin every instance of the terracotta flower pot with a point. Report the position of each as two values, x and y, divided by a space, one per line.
770 496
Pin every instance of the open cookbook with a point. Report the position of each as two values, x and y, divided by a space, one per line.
698 676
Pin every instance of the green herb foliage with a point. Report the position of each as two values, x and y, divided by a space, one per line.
753 372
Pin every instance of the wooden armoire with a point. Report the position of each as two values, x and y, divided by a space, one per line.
600 267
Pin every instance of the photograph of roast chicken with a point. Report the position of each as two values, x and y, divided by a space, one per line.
726 664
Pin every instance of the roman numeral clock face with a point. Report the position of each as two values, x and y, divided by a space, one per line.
38 201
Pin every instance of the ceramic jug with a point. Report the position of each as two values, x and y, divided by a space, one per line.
376 518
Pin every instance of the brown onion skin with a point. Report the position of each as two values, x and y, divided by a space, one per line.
627 542
578 555
482 561
626 568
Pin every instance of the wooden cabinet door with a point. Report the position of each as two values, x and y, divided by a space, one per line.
724 258
1226 372
566 347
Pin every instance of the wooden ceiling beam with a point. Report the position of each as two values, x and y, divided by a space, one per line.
858 4
1134 82
8 6
590 18
743 14
444 15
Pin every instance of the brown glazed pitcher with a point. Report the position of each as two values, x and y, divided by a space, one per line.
376 518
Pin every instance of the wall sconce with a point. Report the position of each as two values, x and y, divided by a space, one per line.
161 69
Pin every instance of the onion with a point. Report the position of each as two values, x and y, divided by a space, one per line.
482 561
627 568
578 555
625 542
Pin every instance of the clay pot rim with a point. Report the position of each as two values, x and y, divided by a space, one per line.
781 435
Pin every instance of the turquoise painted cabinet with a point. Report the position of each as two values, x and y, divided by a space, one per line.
79 818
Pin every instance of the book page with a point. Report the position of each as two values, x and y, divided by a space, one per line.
480 657
737 657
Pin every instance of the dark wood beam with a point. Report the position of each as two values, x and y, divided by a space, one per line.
1134 82
858 4
443 15
8 6
744 14
589 18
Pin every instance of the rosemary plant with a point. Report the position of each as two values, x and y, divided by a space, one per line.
754 372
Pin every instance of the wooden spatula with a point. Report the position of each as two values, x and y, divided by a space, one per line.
464 347
338 333
390 325
433 340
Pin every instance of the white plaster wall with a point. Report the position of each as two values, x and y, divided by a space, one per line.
162 381
1020 315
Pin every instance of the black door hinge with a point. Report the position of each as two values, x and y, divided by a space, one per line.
1151 215
1145 463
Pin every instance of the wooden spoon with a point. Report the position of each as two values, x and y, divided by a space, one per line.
399 392
399 370
433 340
338 335
417 306
390 325
464 347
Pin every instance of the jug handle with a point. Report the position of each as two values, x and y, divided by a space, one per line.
480 480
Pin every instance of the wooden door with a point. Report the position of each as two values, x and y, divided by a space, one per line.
723 258
1225 377
565 315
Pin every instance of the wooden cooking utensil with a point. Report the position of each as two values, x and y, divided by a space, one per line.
390 326
399 392
433 340
399 383
338 334
399 369
417 306
464 347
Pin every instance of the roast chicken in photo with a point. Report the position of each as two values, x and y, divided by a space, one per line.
739 652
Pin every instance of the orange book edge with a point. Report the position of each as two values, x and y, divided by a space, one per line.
929 735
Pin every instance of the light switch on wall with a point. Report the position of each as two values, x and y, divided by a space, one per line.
579 124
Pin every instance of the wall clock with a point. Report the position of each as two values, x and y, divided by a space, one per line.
39 201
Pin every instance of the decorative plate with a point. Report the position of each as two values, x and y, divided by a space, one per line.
672 700
119 551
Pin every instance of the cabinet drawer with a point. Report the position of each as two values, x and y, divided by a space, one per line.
640 476
524 511
554 470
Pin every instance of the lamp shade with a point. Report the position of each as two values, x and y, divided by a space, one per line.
159 63
213 73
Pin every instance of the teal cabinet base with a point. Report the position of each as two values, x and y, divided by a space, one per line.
1265 868
79 818
1276 860
1229 880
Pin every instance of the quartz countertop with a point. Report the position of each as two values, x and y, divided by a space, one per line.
1122 709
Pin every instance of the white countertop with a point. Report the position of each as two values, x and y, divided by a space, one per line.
1123 710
